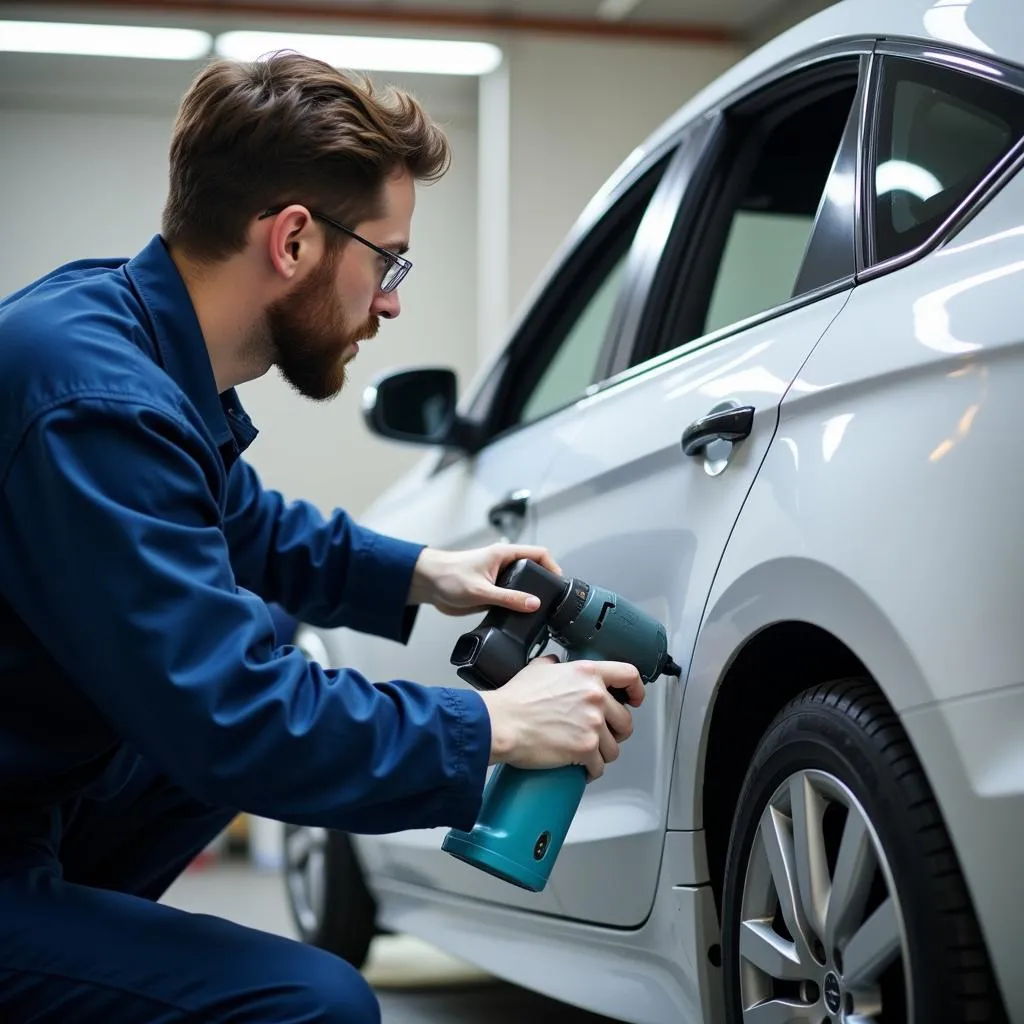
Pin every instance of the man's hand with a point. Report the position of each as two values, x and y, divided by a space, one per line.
552 714
463 582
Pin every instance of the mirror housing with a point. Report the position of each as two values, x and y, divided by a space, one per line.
418 406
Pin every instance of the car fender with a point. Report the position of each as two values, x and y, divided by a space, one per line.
783 589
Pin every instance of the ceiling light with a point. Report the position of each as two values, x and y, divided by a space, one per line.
368 53
616 10
104 40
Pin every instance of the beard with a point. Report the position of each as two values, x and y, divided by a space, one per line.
309 340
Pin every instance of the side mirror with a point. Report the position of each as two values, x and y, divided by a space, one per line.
418 407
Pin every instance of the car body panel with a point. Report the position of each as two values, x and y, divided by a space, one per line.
975 759
660 973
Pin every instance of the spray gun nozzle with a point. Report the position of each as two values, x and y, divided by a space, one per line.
670 668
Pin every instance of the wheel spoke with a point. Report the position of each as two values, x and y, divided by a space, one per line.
769 951
315 881
778 844
867 1003
298 847
781 1011
808 809
874 946
302 843
855 868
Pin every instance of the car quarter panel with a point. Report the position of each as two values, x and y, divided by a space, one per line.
888 512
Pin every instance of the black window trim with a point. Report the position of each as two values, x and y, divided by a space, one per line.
697 143
963 62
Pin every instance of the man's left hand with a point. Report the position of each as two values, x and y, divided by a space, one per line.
463 582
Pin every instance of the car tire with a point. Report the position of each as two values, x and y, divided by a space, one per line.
842 894
327 895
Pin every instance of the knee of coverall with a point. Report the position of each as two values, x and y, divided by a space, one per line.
337 992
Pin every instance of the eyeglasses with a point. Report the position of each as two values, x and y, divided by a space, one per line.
395 266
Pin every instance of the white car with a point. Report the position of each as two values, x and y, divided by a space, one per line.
767 392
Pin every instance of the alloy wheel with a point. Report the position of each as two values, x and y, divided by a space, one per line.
822 937
305 857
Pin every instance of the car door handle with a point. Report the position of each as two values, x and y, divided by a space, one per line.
513 505
723 425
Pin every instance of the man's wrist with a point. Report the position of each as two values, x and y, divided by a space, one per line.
503 741
421 585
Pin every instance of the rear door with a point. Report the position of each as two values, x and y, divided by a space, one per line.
646 490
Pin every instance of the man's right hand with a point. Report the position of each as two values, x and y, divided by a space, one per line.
552 714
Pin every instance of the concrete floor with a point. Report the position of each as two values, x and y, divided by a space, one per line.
416 983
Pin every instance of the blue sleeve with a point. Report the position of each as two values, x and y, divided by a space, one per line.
329 572
125 577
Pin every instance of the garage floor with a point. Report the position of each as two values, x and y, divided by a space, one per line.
416 984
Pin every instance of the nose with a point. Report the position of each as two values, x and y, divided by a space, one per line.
387 305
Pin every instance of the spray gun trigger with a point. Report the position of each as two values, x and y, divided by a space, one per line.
541 645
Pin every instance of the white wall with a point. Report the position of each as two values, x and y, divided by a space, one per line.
83 168
83 172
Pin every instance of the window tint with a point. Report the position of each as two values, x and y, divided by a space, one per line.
572 369
768 214
770 211
562 349
759 266
939 133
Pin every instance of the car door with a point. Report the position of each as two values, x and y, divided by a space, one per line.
562 348
647 488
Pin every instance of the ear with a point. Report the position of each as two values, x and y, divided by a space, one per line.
292 241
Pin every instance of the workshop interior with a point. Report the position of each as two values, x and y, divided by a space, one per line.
718 302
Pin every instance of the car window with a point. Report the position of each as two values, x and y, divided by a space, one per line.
573 367
750 235
772 209
940 132
564 345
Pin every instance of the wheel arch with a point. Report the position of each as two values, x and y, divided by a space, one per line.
745 669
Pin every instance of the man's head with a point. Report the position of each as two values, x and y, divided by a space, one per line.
303 176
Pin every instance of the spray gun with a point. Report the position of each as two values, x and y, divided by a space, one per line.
526 813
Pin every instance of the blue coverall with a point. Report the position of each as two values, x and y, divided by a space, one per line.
143 700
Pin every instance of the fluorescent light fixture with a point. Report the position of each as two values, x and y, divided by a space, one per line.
615 10
368 53
104 40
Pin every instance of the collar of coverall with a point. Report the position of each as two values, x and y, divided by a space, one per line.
180 348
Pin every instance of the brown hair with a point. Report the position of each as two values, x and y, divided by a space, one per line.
285 129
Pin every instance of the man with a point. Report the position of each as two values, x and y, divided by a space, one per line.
143 700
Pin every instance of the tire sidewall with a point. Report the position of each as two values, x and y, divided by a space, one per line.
347 923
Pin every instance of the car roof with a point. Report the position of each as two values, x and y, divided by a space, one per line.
989 28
